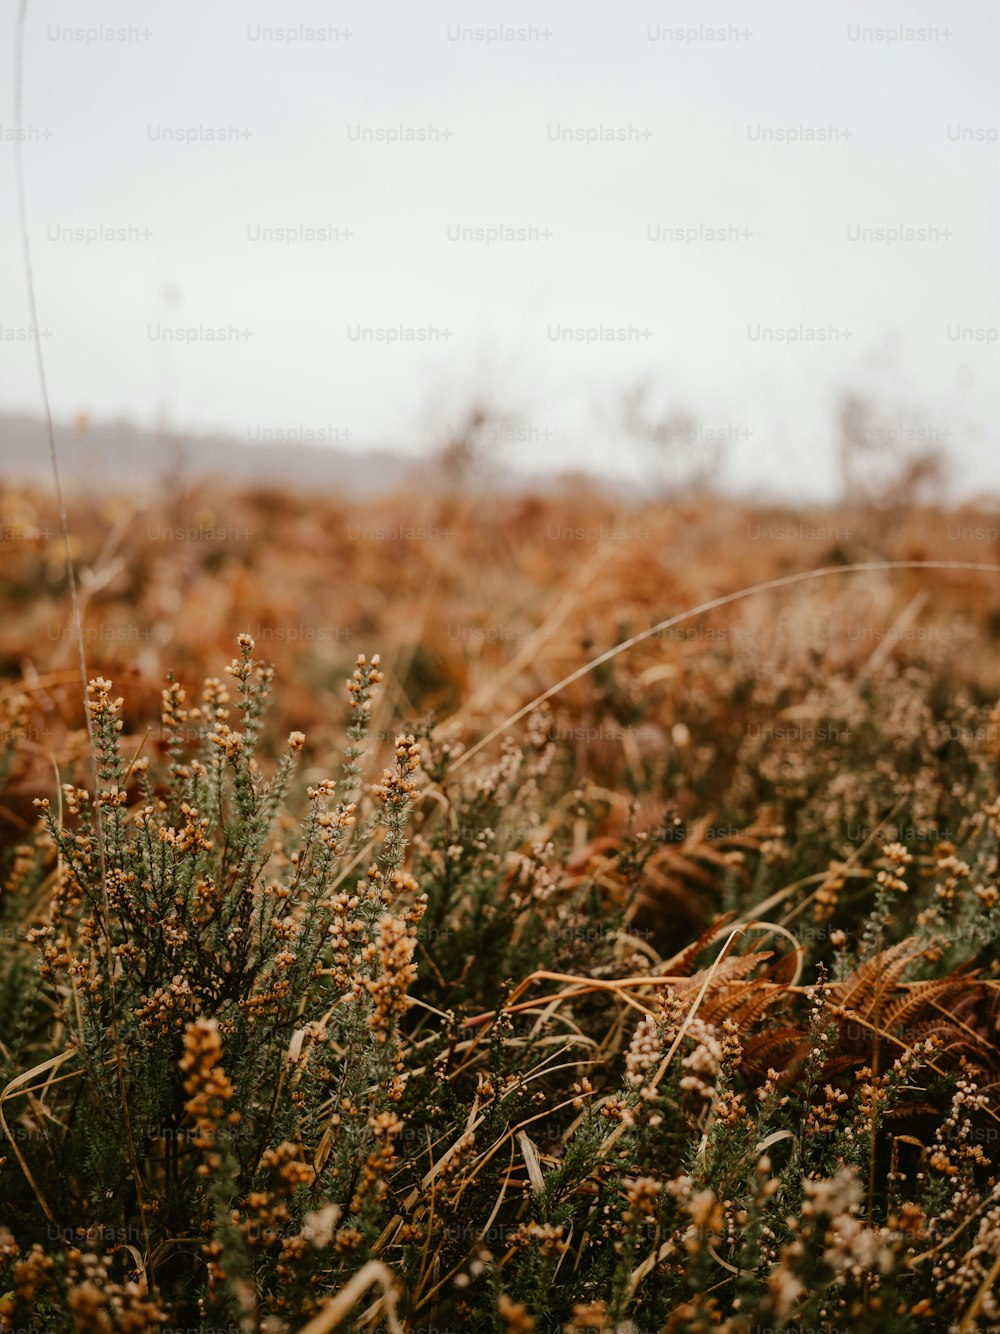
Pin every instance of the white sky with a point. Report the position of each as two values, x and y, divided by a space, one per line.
95 111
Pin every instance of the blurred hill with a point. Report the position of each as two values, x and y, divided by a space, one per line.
116 454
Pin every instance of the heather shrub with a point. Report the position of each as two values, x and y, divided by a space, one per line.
482 1045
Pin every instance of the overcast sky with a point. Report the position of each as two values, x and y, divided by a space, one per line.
755 206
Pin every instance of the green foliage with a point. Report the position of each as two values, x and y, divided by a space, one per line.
404 1046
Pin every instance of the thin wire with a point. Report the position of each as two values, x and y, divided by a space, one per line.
29 273
22 209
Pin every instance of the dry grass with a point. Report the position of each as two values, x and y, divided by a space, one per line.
671 1007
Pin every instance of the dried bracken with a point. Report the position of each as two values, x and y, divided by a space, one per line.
674 1009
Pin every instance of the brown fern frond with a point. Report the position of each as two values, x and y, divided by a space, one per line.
875 977
747 1003
732 969
771 1048
682 963
903 1010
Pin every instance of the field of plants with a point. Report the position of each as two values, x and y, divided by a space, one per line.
472 912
